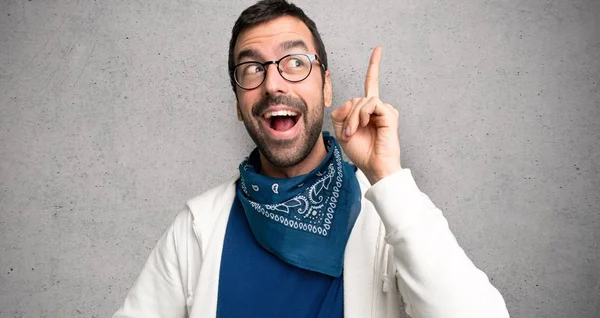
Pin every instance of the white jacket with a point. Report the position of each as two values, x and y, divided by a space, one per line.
400 254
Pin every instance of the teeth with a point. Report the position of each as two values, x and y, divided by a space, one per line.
280 113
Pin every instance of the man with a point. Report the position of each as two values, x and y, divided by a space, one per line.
299 232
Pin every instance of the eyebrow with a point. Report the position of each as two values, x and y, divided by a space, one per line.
288 45
248 53
285 46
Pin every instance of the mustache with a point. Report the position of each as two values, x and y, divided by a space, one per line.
270 100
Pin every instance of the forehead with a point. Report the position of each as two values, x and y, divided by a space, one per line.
266 38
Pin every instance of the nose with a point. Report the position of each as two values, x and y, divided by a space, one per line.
274 83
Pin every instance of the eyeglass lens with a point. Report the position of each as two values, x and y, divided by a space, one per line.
293 68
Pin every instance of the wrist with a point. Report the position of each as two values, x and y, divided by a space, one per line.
376 176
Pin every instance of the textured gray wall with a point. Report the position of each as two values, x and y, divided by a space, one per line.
112 115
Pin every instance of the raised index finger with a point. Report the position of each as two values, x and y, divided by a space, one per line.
372 79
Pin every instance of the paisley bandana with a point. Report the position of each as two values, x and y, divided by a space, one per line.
304 220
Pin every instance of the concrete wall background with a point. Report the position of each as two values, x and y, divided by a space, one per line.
112 114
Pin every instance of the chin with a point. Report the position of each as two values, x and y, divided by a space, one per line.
286 155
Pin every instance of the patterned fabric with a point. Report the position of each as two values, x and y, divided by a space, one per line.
305 220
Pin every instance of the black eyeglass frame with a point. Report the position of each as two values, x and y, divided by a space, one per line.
311 58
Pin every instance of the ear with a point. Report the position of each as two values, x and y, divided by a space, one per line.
327 89
239 112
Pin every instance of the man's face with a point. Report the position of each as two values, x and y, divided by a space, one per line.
283 118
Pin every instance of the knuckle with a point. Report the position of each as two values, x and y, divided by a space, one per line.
392 109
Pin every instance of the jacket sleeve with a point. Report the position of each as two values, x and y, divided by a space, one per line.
159 291
434 275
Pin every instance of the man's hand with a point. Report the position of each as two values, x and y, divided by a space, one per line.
367 128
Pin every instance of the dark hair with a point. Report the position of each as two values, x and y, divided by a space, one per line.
265 11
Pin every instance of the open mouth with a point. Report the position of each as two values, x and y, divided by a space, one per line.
281 120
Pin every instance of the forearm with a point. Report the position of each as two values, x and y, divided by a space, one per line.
435 276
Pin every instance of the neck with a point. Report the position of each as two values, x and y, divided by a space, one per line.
314 158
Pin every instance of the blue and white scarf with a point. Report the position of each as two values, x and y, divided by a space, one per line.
304 220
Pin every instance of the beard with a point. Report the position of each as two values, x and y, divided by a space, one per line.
286 153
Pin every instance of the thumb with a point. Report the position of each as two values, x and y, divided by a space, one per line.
338 118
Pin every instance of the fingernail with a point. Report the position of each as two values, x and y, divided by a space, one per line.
347 131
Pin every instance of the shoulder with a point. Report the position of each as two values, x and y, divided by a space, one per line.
205 207
214 194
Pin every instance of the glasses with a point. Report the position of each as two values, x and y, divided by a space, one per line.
292 67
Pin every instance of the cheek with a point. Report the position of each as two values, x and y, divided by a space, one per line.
313 95
312 88
245 102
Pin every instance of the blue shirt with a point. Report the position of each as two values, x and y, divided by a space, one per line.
255 283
